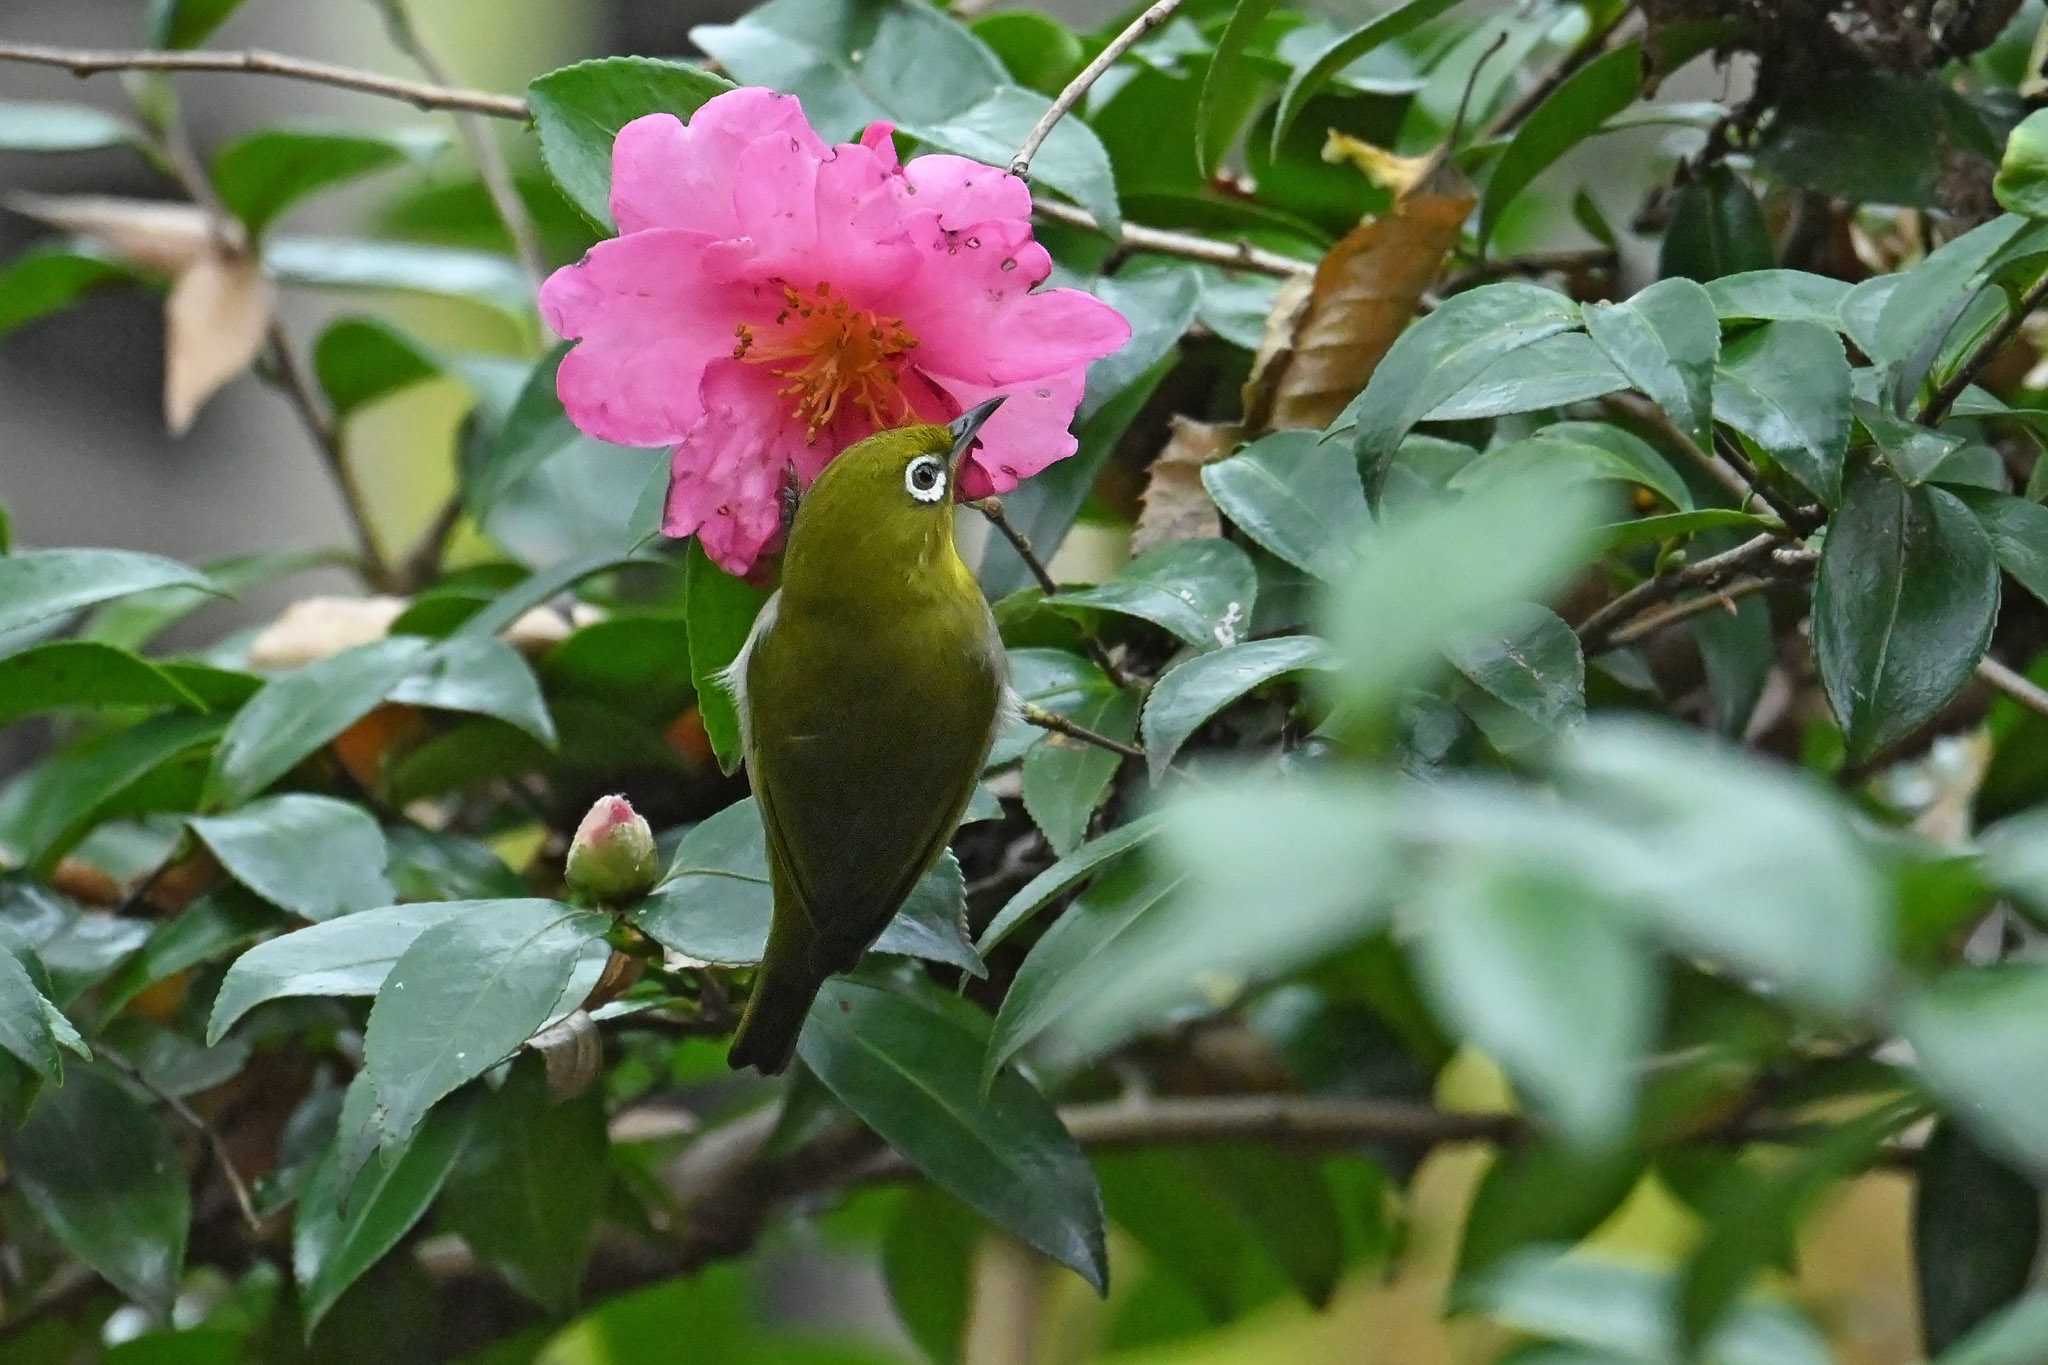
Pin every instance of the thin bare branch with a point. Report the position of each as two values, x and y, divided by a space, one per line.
1154 15
288 370
1595 632
1186 245
1060 725
2016 685
191 1118
992 508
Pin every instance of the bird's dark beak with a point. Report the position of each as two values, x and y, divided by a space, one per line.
967 426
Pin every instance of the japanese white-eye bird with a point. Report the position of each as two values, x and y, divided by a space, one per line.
869 693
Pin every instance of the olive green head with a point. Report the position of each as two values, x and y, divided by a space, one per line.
883 505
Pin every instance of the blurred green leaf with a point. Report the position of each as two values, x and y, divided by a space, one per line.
1575 452
347 956
639 663
2017 1336
1214 124
721 612
578 110
1199 590
24 1019
2022 184
465 995
1903 608
311 855
429 865
298 712
1826 140
1737 651
1065 874
1533 668
1717 229
359 360
1976 1229
38 585
224 918
1785 385
48 278
1038 51
186 23
365 264
50 808
1667 340
2018 528
1194 690
1296 497
87 675
134 621
909 1071
1975 1029
259 175
484 676
1568 115
1319 70
32 126
528 1191
97 1167
1542 1193
928 1262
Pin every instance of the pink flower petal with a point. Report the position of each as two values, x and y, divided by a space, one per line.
668 174
1027 433
965 193
725 479
646 319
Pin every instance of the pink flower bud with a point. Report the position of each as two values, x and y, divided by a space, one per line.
612 856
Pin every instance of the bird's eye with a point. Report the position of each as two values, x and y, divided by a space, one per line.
925 478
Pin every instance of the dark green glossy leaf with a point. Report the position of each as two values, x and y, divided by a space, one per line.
347 956
1976 1229
1975 1030
1575 452
465 995
87 675
42 584
1785 385
1065 874
721 612
32 126
1826 140
1923 302
218 921
1297 497
909 1070
1552 373
1737 652
48 278
1667 340
359 360
144 767
1778 296
1902 609
1626 535
24 1019
296 713
527 1194
1533 668
1188 694
1061 682
1310 78
311 855
2018 528
1288 1206
578 110
481 675
1717 229
260 175
98 1168
1568 115
1201 591
1072 160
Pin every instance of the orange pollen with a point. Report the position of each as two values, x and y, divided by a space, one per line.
830 354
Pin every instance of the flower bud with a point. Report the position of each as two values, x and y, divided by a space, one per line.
612 856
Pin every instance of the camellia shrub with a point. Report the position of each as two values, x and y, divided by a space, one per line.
1525 838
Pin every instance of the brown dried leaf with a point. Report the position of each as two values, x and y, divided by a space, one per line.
153 233
1321 350
1174 505
215 321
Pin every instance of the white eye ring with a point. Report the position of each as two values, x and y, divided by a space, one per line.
924 478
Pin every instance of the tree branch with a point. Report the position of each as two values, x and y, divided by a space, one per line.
1588 47
1153 17
2016 685
288 371
1628 404
992 508
1596 631
1187 246
1060 725
222 1158
91 61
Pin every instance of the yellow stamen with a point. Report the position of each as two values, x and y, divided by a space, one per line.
831 353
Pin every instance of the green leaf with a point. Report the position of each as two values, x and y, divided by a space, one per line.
1568 115
359 360
1778 296
1737 651
97 1167
260 175
1717 229
1039 52
1576 452
1201 591
134 621
2022 184
1533 668
1785 385
344 1226
535 433
1552 373
1542 1193
465 995
42 584
720 611
1191 692
87 675
1442 353
1974 1030
1548 980
311 855
1976 1229
1913 451
187 23
537 588
1072 160
527 1193
1298 497
1902 608
578 111
2018 1336
484 676
1922 305
1065 874
32 126
347 956
714 903
639 663
297 713
1666 340
1288 1206
909 1070
1827 141
429 865
24 1023
1057 680
143 767
1064 779
928 1263
1627 535
360 263
50 277
1214 120
1310 78
1432 577
2018 528
225 918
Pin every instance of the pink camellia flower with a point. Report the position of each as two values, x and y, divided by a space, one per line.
770 300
